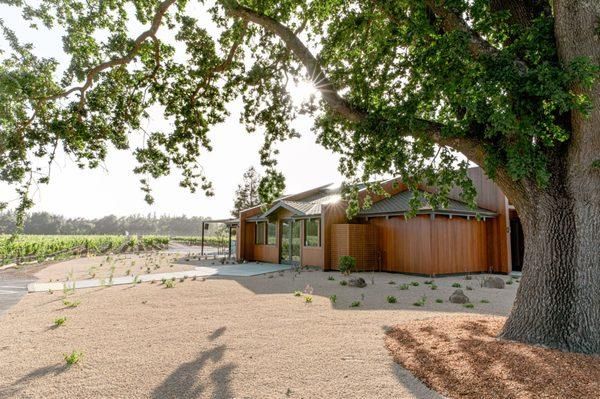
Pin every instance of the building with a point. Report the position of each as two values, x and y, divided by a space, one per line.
311 229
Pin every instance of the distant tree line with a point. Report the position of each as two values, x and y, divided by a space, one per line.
48 223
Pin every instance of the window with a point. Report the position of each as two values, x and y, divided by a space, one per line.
271 234
312 238
259 236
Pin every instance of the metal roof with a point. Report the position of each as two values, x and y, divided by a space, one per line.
400 203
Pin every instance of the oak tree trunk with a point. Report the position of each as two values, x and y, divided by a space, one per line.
558 301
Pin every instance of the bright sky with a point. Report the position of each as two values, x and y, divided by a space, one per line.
115 190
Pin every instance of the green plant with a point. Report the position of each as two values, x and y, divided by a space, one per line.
127 272
343 282
456 285
355 304
330 278
403 287
170 283
439 300
163 280
428 282
308 298
484 301
433 287
333 298
414 283
71 304
468 305
421 302
59 321
347 263
509 281
391 299
73 357
297 293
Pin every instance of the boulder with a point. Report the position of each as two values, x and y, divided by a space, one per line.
459 297
357 282
493 282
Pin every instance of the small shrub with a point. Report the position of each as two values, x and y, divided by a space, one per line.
433 287
414 283
391 299
391 282
71 304
170 283
73 357
403 287
128 272
347 263
333 298
330 278
421 302
509 281
439 300
428 282
456 285
308 298
297 293
484 301
343 282
60 321
468 305
355 304
181 280
50 292
163 280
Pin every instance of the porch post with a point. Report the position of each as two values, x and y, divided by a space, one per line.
202 241
229 252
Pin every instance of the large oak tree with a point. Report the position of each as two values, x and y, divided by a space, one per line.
404 85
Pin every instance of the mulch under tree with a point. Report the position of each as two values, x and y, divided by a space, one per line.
460 357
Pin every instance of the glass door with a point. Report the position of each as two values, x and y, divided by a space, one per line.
290 242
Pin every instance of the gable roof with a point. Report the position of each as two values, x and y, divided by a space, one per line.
305 207
400 204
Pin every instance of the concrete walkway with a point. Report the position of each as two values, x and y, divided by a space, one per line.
11 292
238 270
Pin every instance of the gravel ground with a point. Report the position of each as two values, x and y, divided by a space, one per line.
225 337
101 266
461 358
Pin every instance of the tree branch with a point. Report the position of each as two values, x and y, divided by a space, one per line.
150 33
472 149
452 22
291 40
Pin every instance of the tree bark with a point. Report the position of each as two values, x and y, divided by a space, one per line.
558 301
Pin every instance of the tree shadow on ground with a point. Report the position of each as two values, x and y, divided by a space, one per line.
24 381
464 359
184 381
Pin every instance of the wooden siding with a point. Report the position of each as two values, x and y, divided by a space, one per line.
330 214
312 256
441 245
357 240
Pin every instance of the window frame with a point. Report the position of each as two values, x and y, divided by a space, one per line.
318 222
257 236
268 237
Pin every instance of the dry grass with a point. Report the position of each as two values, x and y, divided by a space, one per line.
221 338
461 358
